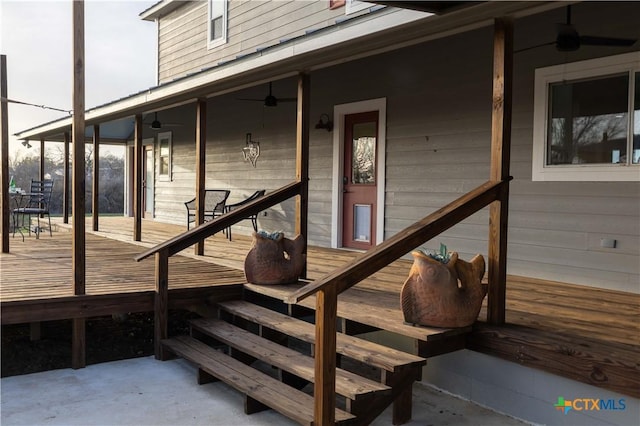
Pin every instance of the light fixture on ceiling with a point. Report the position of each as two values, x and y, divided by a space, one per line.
26 143
325 123
155 124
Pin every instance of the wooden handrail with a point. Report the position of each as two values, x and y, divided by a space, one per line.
191 237
404 241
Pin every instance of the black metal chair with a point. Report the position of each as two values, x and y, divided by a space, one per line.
253 217
37 205
214 205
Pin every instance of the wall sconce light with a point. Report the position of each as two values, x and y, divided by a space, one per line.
325 123
26 143
251 151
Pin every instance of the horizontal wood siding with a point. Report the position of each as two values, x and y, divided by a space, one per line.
182 34
438 146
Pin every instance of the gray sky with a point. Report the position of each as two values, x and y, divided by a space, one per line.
36 37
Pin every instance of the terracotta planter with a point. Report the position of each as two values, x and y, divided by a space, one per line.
443 295
274 259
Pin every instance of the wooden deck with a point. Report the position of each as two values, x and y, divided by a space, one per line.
593 334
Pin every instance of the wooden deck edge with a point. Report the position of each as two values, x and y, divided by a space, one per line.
87 306
615 367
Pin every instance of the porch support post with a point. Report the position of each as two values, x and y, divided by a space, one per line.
325 357
500 158
137 179
302 161
65 182
4 135
95 195
201 166
41 169
79 180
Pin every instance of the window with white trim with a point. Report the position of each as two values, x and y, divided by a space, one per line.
217 28
164 155
587 120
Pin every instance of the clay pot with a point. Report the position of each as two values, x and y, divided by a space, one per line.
443 295
276 260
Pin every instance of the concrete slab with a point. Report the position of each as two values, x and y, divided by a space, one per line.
143 391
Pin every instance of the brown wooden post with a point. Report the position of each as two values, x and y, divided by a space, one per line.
79 181
302 161
325 357
500 158
4 135
137 179
95 194
41 168
65 182
201 165
161 304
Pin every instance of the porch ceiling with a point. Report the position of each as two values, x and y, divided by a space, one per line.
352 39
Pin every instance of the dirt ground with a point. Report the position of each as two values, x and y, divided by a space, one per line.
108 339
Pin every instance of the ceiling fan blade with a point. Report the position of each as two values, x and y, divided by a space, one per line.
250 99
606 41
287 99
524 49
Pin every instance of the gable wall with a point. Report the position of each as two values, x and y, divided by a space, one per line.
182 34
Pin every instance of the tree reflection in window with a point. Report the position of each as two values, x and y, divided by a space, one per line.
363 158
588 121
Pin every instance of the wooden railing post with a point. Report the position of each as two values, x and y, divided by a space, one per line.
161 303
302 162
95 192
500 158
325 357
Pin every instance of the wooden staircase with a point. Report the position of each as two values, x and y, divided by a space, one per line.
264 354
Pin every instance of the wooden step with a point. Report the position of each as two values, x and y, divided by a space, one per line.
358 349
256 385
380 309
348 384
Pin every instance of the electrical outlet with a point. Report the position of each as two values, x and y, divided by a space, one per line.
608 243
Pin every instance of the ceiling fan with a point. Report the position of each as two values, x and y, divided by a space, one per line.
270 100
157 125
569 40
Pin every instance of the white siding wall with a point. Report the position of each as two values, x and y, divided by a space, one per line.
182 34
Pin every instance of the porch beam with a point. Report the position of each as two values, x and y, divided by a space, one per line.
201 166
78 358
137 179
500 159
65 180
4 135
302 162
95 194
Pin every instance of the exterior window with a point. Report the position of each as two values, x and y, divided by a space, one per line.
164 155
217 22
587 120
354 6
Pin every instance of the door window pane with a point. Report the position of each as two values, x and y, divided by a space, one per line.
362 222
363 156
588 121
